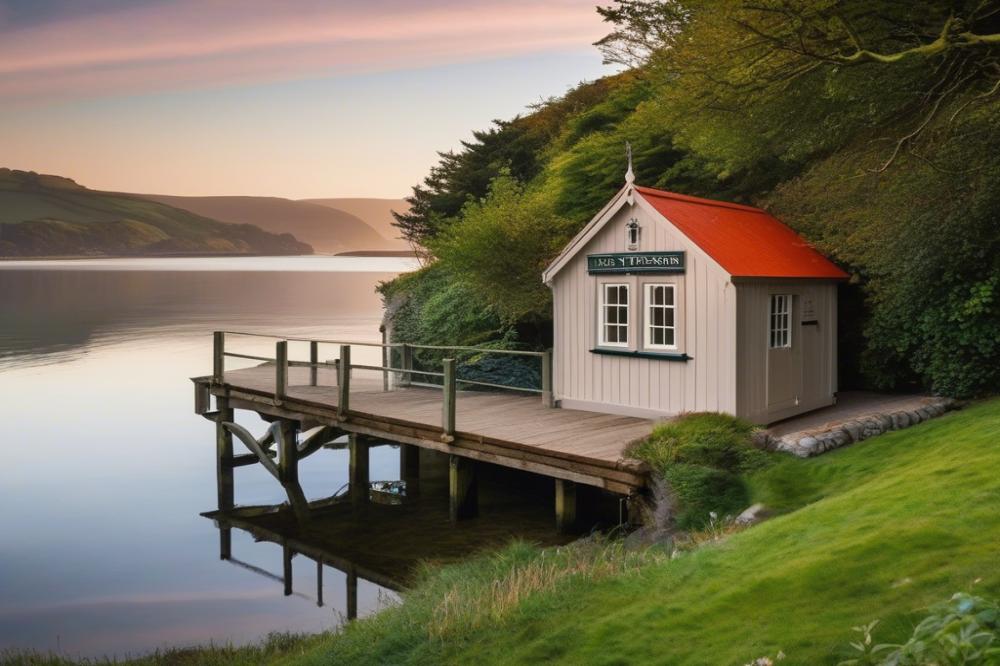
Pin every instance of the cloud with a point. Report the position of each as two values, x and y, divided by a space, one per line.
196 43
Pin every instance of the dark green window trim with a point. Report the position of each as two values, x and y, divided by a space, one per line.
656 356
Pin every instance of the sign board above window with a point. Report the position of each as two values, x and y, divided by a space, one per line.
636 262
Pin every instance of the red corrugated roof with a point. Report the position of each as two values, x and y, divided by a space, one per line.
746 241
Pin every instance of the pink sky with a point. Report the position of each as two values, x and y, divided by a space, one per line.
63 72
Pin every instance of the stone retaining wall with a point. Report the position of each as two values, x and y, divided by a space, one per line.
834 435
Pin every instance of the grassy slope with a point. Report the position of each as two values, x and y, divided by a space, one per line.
892 525
881 529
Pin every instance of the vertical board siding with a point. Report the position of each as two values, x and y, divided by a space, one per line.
819 371
706 323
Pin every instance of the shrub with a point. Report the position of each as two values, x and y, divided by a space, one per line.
702 456
965 630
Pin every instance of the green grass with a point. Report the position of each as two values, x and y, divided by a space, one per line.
882 530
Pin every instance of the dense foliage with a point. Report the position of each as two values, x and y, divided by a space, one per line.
868 127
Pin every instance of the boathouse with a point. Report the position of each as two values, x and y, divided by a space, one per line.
666 303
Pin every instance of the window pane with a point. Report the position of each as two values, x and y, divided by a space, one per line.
668 295
669 316
668 336
610 294
623 295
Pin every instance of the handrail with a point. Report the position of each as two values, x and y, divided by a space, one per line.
343 365
391 345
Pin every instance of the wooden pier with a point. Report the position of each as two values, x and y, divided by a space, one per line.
472 421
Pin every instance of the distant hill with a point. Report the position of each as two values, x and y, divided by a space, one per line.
328 230
376 212
45 215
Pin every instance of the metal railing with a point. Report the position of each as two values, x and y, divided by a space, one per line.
405 372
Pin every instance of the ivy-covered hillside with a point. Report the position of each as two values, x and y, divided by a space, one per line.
871 128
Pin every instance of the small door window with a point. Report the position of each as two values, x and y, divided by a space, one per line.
661 322
614 315
780 326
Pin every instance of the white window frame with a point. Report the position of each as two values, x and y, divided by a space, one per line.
648 310
603 306
779 321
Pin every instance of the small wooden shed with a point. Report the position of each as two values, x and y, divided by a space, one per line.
666 303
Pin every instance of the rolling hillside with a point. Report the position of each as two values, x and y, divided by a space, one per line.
44 215
377 213
327 229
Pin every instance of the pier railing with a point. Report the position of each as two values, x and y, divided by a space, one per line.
405 373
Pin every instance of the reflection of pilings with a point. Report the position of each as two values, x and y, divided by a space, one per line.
225 543
265 573
352 594
319 583
286 565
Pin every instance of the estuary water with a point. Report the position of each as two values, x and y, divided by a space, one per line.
106 468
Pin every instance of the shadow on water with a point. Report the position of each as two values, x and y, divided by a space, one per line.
385 541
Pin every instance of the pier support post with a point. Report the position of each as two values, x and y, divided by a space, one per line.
565 505
409 468
448 402
224 455
344 383
359 481
280 370
313 362
463 489
288 453
547 396
218 357
352 594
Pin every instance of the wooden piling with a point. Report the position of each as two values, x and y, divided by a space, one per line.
313 363
448 405
224 455
463 490
409 468
565 505
385 359
288 454
218 357
547 396
359 481
344 383
281 370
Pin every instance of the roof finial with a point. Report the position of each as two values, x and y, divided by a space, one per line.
629 174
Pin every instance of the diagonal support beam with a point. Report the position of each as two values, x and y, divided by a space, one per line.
314 439
255 446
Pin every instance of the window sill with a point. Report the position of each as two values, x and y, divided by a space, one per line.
656 356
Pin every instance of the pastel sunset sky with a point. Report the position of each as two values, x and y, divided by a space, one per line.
293 98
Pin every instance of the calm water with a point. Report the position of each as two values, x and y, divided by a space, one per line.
106 468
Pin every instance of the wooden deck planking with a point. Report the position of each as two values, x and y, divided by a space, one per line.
501 423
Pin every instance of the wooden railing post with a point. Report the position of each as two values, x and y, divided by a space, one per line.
281 370
344 382
385 359
547 378
313 362
218 357
405 377
448 407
